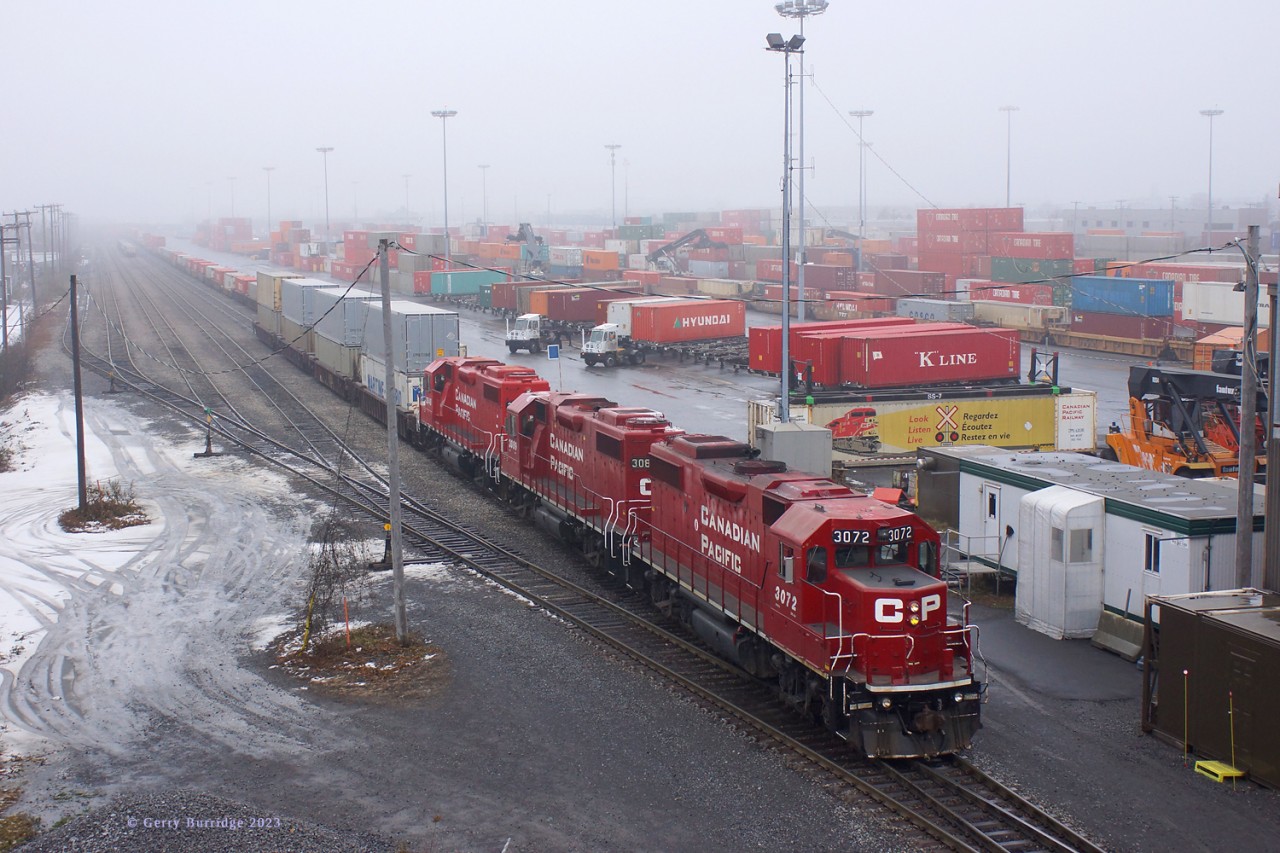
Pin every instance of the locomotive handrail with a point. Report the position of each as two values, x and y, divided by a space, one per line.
911 641
839 627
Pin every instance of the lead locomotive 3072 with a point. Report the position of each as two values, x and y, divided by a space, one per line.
834 596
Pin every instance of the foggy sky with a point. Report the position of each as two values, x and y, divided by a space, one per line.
141 111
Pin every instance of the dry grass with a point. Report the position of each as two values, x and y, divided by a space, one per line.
6 458
110 506
15 829
373 666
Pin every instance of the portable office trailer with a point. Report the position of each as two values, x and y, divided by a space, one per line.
1159 535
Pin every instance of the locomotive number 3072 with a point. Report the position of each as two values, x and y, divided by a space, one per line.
786 599
851 537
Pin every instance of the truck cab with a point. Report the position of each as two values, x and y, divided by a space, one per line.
526 333
604 345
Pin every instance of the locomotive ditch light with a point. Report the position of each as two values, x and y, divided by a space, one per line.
958 698
886 703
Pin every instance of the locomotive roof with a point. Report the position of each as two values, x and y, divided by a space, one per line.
805 519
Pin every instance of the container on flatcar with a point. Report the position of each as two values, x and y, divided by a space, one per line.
1104 294
419 333
408 386
935 310
683 320
764 343
929 356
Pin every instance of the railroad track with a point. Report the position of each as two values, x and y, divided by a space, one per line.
948 802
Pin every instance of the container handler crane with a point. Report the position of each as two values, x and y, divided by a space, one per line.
1183 422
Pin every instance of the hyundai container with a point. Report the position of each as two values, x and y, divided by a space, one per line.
680 320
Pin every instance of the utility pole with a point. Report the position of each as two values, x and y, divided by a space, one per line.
1271 580
393 451
4 293
1248 418
75 372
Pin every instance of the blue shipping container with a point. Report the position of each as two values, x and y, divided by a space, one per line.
565 272
464 282
1139 297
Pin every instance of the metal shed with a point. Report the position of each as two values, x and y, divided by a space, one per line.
1209 680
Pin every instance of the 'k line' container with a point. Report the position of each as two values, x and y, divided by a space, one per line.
419 334
891 358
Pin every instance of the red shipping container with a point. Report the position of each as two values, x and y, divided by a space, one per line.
771 270
906 245
578 304
929 355
820 349
828 277
716 255
844 300
729 234
946 264
887 261
642 276
1005 219
951 221
911 282
1026 294
1048 245
688 320
501 297
1185 272
1129 326
962 243
1084 266
764 343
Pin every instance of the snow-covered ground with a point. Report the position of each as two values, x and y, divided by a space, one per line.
142 606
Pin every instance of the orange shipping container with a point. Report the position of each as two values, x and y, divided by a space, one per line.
509 251
599 259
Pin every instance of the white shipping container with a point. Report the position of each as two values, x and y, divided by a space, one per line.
408 386
622 247
637 262
1018 315
619 311
963 288
565 256
1218 302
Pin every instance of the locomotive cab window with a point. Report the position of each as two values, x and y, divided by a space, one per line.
491 393
927 556
853 556
511 426
891 554
815 565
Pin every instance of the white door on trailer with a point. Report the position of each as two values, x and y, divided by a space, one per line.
992 531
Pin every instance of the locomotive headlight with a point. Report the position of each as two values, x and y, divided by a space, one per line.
886 703
915 620
915 607
958 698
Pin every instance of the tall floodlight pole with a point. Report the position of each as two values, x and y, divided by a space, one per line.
406 177
444 116
1208 225
801 9
324 151
786 47
613 183
268 170
484 196
1008 152
862 180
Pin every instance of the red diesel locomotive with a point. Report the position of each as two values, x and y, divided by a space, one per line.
834 596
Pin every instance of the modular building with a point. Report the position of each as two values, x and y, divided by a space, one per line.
1088 540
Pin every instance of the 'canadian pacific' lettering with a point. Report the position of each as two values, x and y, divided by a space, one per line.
735 532
566 448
